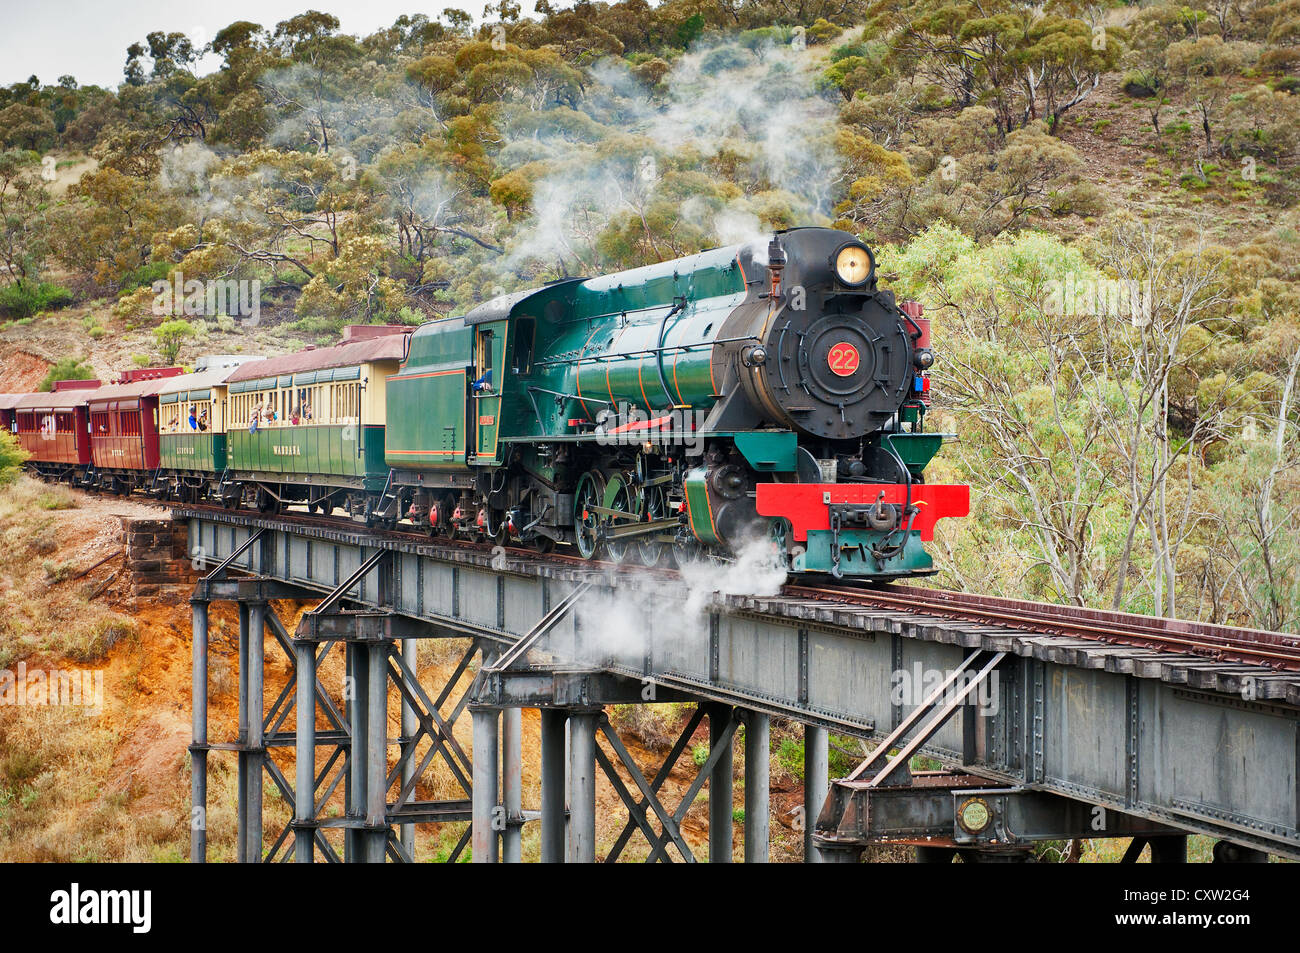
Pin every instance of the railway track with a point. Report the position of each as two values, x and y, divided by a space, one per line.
1211 641
1217 642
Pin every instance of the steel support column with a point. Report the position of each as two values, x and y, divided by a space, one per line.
583 724
304 809
199 734
241 738
358 687
816 784
1169 850
376 762
410 725
256 715
757 786
484 796
554 729
512 779
721 787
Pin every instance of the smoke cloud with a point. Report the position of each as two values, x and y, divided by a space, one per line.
721 106
616 625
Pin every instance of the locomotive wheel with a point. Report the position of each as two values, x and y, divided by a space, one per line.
686 552
649 552
446 529
586 524
779 532
620 496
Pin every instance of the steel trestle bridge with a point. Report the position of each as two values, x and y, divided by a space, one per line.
1045 729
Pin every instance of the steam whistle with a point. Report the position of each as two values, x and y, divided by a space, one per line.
775 263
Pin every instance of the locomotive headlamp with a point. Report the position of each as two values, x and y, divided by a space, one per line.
924 358
754 355
854 265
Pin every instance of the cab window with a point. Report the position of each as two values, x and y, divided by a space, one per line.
524 331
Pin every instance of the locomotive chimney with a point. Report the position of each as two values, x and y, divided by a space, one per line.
775 263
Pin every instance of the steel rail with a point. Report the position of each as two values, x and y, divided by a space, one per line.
1223 642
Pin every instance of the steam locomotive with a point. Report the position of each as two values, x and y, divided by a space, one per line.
767 394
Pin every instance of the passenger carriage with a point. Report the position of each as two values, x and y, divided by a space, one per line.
309 427
8 415
193 420
124 430
52 427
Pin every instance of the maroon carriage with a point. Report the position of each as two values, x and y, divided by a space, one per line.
124 429
52 428
8 414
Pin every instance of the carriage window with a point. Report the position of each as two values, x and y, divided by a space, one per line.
524 329
345 403
99 423
130 420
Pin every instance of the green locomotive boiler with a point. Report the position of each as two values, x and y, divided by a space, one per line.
767 394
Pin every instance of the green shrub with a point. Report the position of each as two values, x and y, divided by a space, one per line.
145 275
27 299
408 315
848 49
57 572
317 324
56 498
67 369
789 754
11 457
170 336
722 60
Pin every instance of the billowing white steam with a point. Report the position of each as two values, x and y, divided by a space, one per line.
615 625
764 114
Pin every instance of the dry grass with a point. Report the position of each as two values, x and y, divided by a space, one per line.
44 611
78 783
56 801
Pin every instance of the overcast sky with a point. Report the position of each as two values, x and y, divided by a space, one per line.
88 38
